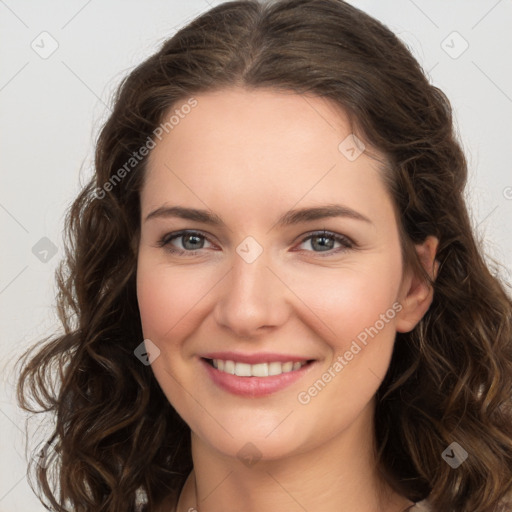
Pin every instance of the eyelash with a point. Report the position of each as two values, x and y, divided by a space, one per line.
347 244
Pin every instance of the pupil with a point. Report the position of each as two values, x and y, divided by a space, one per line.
323 245
188 237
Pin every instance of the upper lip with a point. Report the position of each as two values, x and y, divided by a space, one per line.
260 357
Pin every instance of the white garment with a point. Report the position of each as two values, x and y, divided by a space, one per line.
421 506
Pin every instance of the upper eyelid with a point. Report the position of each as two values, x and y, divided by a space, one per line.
173 235
176 235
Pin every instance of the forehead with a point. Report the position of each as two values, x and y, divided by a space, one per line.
260 146
248 121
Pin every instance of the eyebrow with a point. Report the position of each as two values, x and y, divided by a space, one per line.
289 218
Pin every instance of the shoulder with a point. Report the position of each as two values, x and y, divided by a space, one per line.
169 505
421 506
144 508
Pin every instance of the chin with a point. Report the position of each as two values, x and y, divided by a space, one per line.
251 450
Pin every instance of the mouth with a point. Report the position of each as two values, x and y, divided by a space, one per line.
257 379
269 369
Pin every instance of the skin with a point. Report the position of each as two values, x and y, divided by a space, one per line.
250 156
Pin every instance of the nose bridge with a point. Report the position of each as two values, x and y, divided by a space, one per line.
252 295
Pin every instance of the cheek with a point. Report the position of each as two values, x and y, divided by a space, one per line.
168 297
355 311
348 300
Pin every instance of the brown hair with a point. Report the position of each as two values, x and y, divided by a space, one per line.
116 435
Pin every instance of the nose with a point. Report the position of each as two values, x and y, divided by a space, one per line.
253 298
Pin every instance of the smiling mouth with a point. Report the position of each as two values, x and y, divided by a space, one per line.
256 370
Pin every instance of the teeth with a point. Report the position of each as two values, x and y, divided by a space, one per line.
229 367
275 368
257 370
287 367
243 369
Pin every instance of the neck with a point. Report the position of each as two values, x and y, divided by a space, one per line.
338 475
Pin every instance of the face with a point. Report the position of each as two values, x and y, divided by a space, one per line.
249 285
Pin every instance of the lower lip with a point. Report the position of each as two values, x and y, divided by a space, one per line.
254 386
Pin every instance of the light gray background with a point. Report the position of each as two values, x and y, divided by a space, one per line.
52 109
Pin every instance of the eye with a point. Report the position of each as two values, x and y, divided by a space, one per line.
191 242
324 241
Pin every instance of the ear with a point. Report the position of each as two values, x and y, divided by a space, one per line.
415 293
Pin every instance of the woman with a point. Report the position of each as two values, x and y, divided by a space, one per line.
279 300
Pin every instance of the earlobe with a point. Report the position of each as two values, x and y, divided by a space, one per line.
417 293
